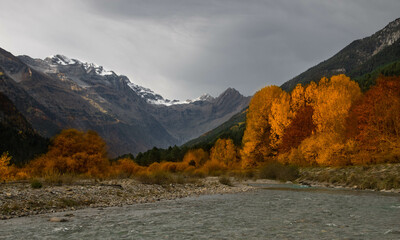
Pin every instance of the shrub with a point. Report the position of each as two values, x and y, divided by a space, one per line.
225 181
125 168
59 179
278 171
36 184
195 157
157 177
214 168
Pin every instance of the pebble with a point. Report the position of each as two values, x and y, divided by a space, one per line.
89 194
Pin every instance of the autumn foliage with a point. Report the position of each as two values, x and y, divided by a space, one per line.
256 139
329 123
4 166
74 152
299 129
374 123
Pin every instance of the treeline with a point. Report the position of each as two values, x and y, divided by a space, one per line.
369 79
332 123
171 154
76 153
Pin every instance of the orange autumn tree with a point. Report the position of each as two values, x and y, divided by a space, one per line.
256 138
125 167
374 122
74 152
224 151
299 129
195 157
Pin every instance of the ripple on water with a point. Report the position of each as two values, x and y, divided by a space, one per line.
265 214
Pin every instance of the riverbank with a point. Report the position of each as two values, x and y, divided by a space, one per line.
20 199
380 177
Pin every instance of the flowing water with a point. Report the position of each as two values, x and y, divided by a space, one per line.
274 212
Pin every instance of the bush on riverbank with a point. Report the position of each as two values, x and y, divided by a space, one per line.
36 184
165 178
278 171
225 181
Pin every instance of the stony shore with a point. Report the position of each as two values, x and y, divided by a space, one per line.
20 199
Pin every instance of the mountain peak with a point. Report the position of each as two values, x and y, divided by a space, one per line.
230 92
204 97
63 60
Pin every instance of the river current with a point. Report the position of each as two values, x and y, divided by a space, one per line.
273 212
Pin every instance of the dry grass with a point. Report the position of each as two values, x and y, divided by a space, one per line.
378 177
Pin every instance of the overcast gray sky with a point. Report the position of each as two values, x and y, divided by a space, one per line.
183 48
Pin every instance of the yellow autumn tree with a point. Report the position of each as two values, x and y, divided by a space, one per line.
256 138
224 151
297 98
333 100
310 92
4 166
280 117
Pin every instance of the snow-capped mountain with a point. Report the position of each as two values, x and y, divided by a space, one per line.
89 67
157 99
147 94
59 92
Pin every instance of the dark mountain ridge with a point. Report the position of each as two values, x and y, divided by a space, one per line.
17 137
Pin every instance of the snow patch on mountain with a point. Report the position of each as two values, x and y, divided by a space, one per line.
157 99
63 60
89 67
146 93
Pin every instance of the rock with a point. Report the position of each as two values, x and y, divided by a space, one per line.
58 219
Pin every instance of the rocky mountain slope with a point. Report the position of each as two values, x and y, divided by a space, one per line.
17 137
358 58
58 92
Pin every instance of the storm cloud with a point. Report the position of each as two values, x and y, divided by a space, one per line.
183 48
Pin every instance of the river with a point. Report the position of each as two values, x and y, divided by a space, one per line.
273 212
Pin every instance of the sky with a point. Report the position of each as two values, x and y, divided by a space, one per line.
184 48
